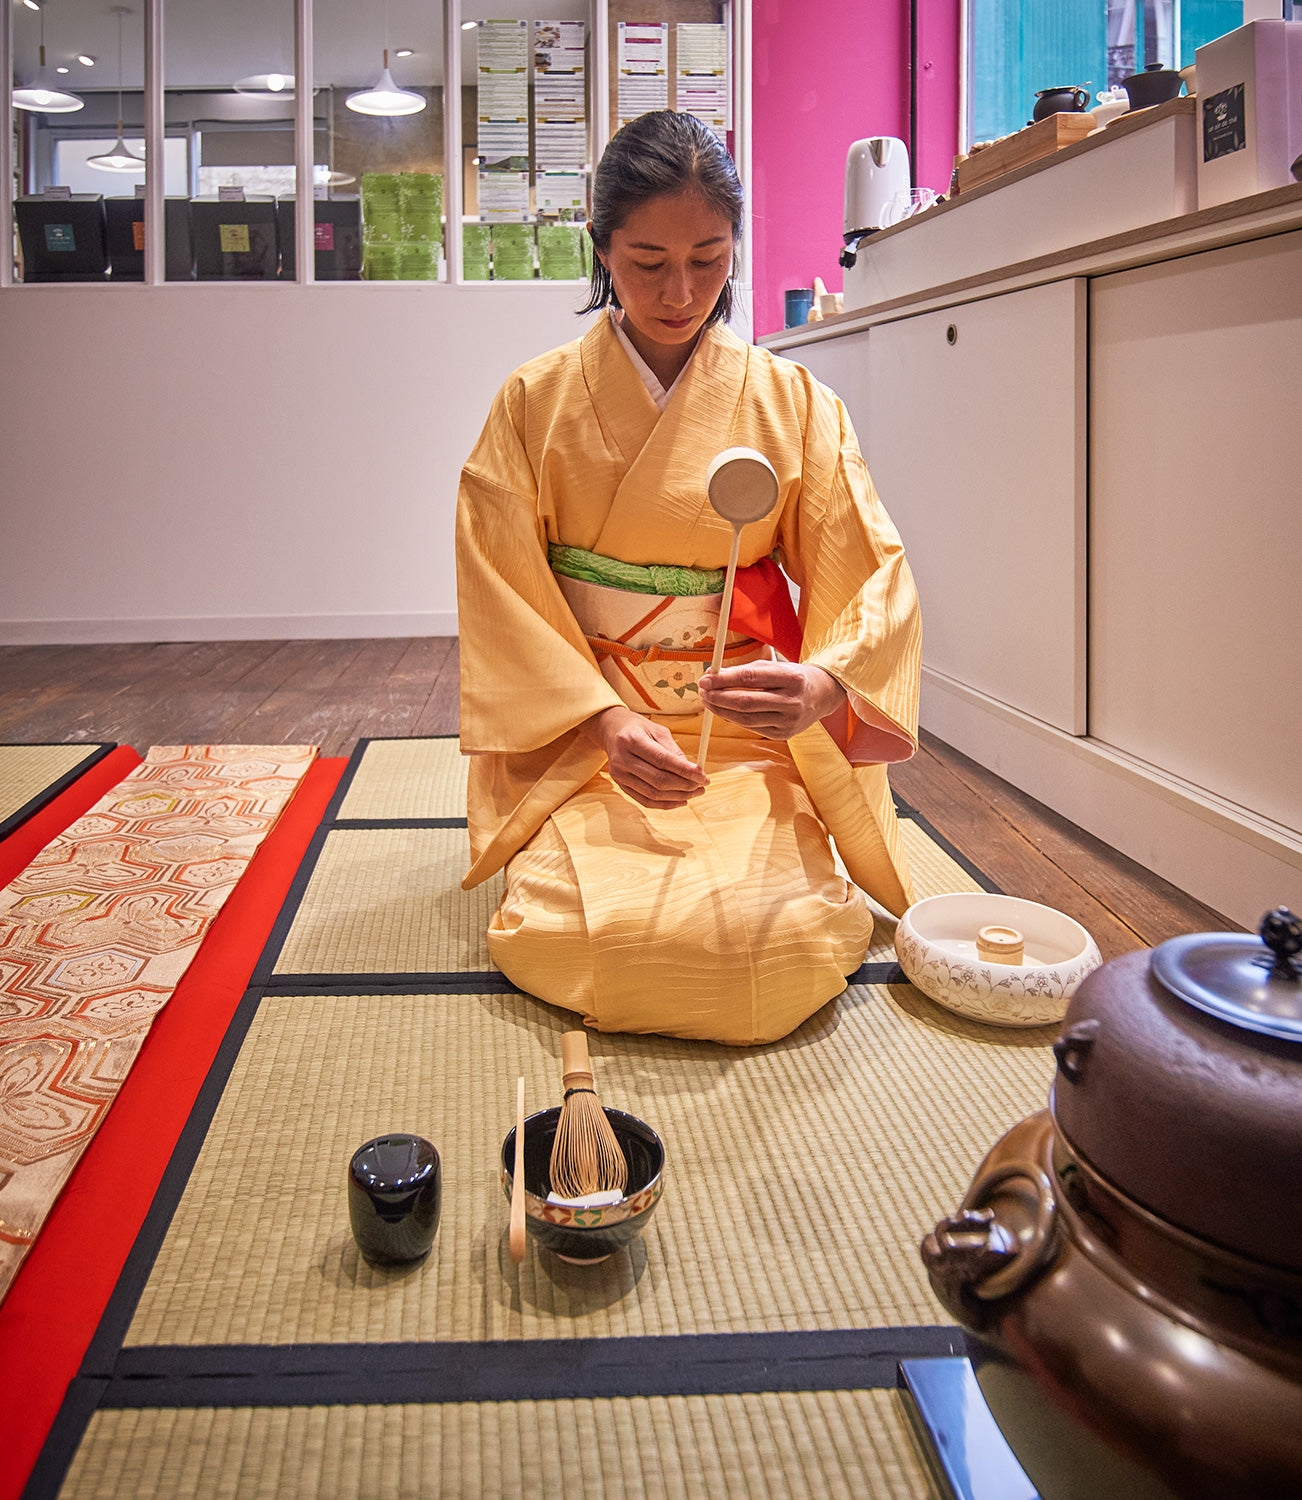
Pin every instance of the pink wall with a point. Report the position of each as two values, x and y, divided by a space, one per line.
826 73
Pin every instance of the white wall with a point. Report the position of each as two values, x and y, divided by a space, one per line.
247 461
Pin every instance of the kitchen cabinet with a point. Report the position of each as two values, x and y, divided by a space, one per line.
1195 546
1093 458
972 421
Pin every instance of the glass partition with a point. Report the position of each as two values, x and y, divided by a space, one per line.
526 104
228 77
78 124
526 140
378 69
670 55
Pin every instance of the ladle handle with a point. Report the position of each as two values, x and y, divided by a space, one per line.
720 639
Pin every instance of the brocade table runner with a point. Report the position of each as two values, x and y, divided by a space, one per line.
95 935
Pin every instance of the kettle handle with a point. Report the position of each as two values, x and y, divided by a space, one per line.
1082 98
975 1259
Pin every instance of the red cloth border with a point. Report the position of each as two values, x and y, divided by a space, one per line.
59 1295
29 838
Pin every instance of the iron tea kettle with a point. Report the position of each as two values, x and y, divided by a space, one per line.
1128 1263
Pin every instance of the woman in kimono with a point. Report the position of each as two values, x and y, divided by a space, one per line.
643 890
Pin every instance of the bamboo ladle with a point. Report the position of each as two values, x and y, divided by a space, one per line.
743 487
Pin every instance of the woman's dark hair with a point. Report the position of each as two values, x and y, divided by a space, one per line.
657 154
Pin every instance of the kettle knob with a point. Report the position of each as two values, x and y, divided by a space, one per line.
1281 932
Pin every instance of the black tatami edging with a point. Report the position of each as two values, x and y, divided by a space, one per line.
298 887
903 810
455 982
705 1364
33 805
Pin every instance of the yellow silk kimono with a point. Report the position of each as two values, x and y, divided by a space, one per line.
725 919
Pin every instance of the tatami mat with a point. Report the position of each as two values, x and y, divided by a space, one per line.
838 1445
800 1176
389 900
28 770
800 1179
408 779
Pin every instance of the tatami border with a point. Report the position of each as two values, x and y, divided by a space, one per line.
47 794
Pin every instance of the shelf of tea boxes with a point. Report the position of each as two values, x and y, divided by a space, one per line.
1090 457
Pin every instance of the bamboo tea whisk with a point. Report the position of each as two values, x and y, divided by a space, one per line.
743 487
586 1156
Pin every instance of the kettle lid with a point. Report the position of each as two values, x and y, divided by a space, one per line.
1255 985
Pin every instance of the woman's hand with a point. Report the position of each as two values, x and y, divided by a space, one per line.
777 699
645 761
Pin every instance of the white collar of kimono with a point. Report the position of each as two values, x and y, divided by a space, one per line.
658 393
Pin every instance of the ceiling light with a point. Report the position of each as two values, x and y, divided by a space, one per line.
61 69
85 59
40 99
469 25
31 4
118 158
386 98
279 85
403 52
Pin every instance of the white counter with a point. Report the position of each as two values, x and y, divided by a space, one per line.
1093 455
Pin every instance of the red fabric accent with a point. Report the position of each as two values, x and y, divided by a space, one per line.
59 1295
762 608
29 838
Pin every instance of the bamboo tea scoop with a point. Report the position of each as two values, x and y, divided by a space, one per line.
516 1238
743 487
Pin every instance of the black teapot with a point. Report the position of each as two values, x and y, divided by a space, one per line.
1155 85
1065 100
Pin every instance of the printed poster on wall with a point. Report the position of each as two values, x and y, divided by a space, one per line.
701 75
643 61
503 94
559 95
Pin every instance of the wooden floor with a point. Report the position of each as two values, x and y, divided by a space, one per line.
333 693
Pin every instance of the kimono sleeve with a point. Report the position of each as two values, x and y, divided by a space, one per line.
528 675
858 604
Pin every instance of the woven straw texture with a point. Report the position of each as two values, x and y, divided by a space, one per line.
800 1177
389 901
26 771
841 1445
408 779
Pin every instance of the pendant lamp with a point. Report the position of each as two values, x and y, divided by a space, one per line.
386 98
266 86
119 158
40 99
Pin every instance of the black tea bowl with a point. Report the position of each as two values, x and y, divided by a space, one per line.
583 1236
395 1194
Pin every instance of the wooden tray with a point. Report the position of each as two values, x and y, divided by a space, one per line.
1041 139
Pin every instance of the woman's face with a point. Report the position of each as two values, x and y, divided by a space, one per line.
669 261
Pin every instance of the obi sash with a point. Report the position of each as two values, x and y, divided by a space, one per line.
652 629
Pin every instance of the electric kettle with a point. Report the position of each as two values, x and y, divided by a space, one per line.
875 170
